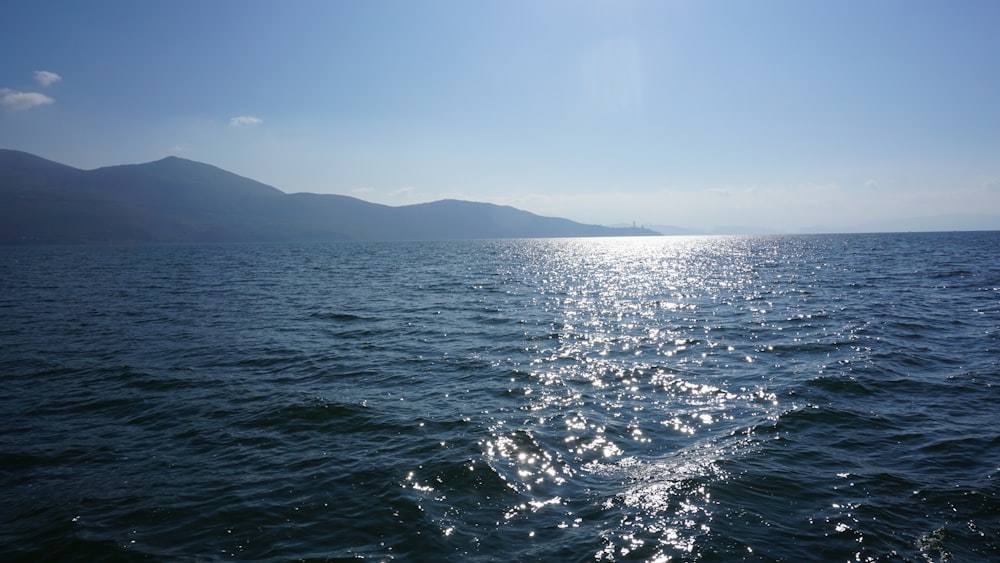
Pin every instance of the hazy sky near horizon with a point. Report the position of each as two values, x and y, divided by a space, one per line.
773 114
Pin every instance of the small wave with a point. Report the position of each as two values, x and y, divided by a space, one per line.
336 316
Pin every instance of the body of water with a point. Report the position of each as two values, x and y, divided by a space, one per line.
786 398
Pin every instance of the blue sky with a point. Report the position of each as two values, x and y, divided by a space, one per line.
778 115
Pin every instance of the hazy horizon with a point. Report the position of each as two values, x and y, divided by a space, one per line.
773 116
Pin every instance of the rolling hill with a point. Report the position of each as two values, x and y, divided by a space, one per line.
175 200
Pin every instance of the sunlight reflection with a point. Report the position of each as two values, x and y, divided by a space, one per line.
632 385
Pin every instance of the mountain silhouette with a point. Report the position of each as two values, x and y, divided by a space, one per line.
175 200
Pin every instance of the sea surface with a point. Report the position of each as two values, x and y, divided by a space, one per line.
776 398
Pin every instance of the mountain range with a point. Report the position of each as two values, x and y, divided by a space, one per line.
175 200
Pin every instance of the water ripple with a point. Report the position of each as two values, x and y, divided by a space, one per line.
684 398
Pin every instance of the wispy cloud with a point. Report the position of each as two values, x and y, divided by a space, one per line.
721 192
242 120
17 101
46 78
404 193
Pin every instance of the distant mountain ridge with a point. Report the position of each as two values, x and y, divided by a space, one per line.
174 200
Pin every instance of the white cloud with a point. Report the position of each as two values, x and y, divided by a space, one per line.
17 101
46 78
241 120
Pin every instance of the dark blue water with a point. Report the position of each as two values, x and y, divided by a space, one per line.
793 398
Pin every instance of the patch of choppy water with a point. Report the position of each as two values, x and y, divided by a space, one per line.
734 398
